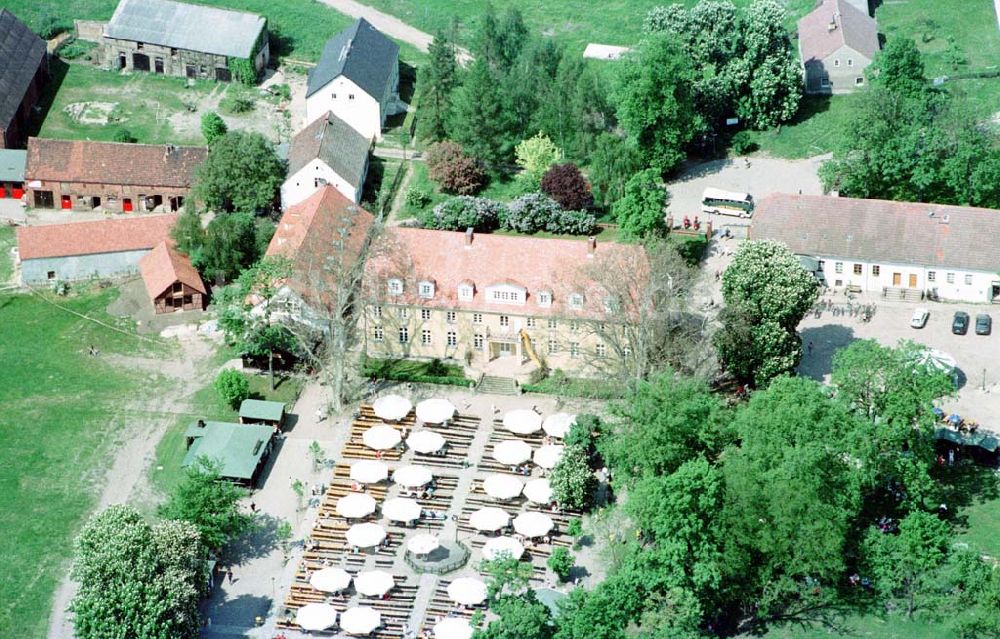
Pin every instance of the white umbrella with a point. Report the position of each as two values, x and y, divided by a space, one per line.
423 544
435 411
355 505
499 546
365 535
425 441
558 425
489 518
522 421
467 590
374 583
548 455
531 524
316 616
503 486
330 579
360 620
512 452
412 476
381 437
453 628
401 509
538 491
392 407
369 471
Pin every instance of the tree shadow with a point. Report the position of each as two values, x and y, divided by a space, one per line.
262 539
240 611
373 182
57 73
281 43
825 341
967 484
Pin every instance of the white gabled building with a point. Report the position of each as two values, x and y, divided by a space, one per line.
898 249
328 151
357 79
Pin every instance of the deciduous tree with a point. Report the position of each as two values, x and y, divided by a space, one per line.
639 212
233 387
534 156
213 127
212 505
612 164
565 184
573 482
454 170
241 173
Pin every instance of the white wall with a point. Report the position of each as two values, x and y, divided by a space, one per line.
979 290
303 184
363 112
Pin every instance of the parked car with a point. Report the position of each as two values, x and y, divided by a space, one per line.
984 324
960 324
919 319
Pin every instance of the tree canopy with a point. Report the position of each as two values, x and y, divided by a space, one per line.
208 503
639 212
241 173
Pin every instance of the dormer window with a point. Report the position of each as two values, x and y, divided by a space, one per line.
465 291
426 289
611 304
395 286
576 300
506 294
545 298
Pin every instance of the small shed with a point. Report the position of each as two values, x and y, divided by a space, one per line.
171 280
258 411
241 449
12 173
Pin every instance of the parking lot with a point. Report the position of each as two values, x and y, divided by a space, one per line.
978 356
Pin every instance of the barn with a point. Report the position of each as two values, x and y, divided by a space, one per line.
81 250
23 67
12 173
171 280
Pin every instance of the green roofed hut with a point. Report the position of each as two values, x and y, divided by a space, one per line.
258 411
241 449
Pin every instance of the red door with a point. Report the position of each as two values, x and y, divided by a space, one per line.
67 202
3 192
18 193
127 205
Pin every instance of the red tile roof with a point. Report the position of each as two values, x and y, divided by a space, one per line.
560 266
309 234
163 266
99 236
853 28
113 162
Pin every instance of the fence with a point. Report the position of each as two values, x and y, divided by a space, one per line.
442 568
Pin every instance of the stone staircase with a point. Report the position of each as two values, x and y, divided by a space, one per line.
497 385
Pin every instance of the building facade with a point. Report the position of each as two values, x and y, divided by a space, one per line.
12 173
84 250
23 70
114 177
357 79
898 249
171 281
185 40
496 303
328 151
837 42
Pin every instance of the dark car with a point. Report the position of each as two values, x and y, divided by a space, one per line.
984 324
960 324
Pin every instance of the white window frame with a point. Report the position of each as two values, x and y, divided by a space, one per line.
394 286
425 314
377 312
838 267
530 322
451 317
553 324
452 338
466 292
425 289
600 351
950 277
477 318
545 298
576 300
404 335
553 347
574 349
968 280
931 276
378 334
425 337
505 320
477 341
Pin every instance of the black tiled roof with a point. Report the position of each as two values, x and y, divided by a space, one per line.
21 52
362 54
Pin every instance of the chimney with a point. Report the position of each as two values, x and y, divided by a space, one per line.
833 23
591 246
167 150
468 237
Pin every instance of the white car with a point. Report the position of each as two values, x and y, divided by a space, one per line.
919 319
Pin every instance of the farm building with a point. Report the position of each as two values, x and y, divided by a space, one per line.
186 40
172 282
328 151
12 173
258 411
81 250
905 250
241 450
837 42
23 66
109 176
357 78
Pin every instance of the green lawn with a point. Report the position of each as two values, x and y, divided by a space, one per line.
866 627
6 259
814 131
61 408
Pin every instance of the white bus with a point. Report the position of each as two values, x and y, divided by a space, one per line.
727 203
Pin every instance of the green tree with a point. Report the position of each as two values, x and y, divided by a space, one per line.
612 164
233 242
136 579
655 103
189 234
213 127
241 173
479 120
561 562
572 481
212 505
899 67
436 82
520 617
499 41
233 387
574 109
639 212
125 136
507 576
534 156
768 70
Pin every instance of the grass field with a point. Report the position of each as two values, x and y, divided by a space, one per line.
6 259
60 411
813 132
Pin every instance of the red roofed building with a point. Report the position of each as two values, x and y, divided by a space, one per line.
482 297
81 250
837 41
82 175
171 280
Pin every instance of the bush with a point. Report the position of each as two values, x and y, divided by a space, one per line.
283 91
416 196
237 100
531 213
213 127
73 49
572 223
459 213
743 143
561 563
454 170
581 433
124 135
233 387
436 368
574 528
565 184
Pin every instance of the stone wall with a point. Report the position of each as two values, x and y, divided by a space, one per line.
90 30
136 56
